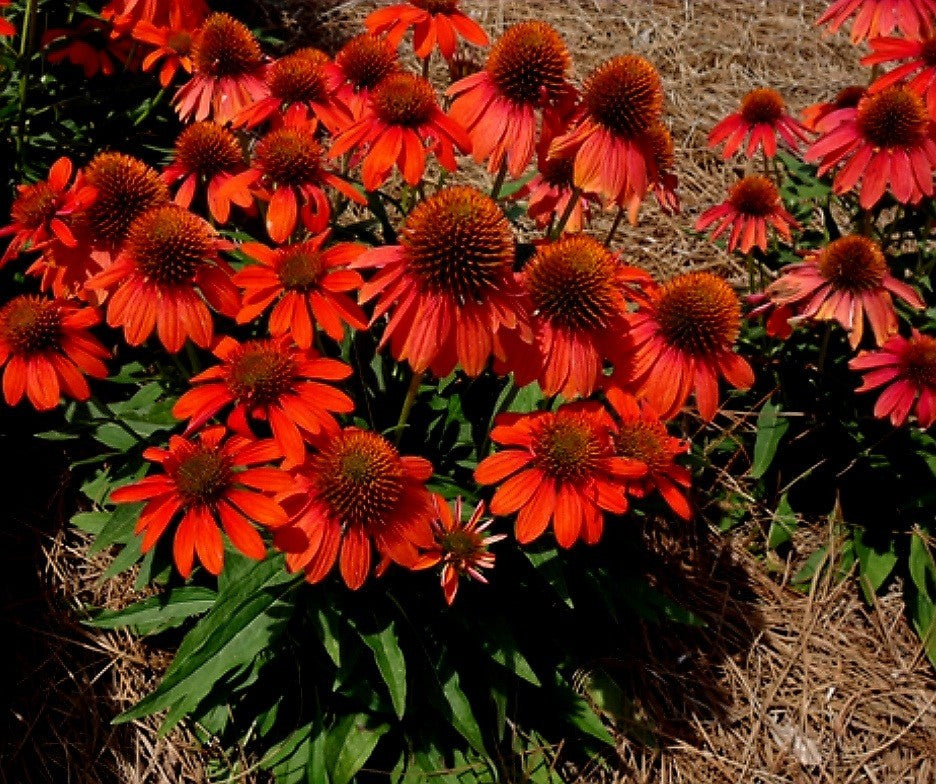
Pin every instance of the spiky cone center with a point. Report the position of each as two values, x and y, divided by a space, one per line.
918 360
571 283
34 205
568 447
895 117
404 99
126 188
436 6
698 312
853 264
289 156
643 440
180 42
225 47
30 325
202 476
170 243
754 196
208 149
359 475
260 372
662 146
300 77
459 242
462 545
300 267
529 62
625 95
762 106
366 59
558 172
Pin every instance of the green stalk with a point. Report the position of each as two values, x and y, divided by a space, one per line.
570 207
499 181
614 227
111 416
25 57
408 402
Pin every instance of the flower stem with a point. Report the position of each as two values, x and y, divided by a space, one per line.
499 180
408 402
425 66
614 226
570 207
27 35
824 348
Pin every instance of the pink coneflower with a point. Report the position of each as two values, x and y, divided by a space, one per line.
762 118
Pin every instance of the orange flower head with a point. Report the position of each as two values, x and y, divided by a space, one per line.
435 23
761 120
170 244
404 99
625 95
436 6
300 77
567 449
225 47
365 60
529 63
126 188
755 196
30 325
300 268
202 476
893 118
847 98
260 373
854 264
763 106
919 361
34 205
290 156
876 18
208 149
699 313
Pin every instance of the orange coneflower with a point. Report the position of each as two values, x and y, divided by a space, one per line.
846 98
558 467
682 339
171 42
168 268
206 481
272 381
908 367
664 182
641 435
875 18
38 210
125 14
761 119
753 204
621 102
288 166
845 281
90 44
360 65
228 72
526 70
47 350
579 302
208 155
357 490
888 140
299 78
449 283
460 546
308 283
400 122
919 74
434 22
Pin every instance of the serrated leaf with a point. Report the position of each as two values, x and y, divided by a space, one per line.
389 658
771 428
158 613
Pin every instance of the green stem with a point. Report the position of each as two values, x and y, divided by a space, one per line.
157 99
614 227
824 348
25 57
408 402
499 181
570 208
425 66
111 416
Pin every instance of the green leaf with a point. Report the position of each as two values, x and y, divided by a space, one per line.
548 563
289 762
240 625
875 564
783 524
771 428
350 744
578 712
389 657
921 598
158 613
499 643
462 717
118 528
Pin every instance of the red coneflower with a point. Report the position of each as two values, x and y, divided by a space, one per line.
90 44
6 27
888 140
526 70
919 74
47 350
355 490
400 122
460 546
663 181
125 14
172 44
753 204
169 263
228 72
847 98
299 78
360 65
641 435
288 165
208 155
908 367
38 210
558 467
434 22
621 102
846 281
450 283
875 18
206 482
308 283
272 381
682 339
577 290
761 119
